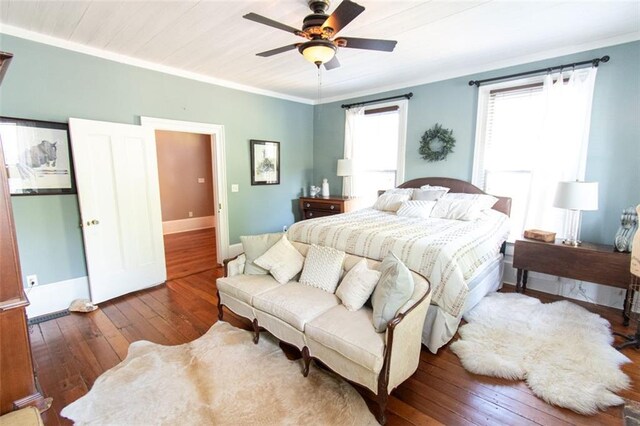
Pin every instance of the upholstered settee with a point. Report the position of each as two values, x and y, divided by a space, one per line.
316 322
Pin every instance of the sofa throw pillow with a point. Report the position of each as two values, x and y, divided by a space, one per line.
429 193
394 289
416 208
391 200
357 285
322 268
282 261
255 246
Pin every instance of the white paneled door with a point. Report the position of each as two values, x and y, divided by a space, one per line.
117 178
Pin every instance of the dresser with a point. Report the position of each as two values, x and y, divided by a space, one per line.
312 207
596 263
17 379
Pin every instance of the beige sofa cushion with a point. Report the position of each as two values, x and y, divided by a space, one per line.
295 303
282 261
245 287
351 334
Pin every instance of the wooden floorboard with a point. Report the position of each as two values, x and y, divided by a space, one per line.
71 352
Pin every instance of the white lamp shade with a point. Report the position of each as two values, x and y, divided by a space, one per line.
577 195
319 53
345 167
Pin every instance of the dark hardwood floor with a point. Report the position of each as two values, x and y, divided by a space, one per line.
71 352
190 252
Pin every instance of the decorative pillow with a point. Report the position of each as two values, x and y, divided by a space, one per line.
415 208
356 287
462 206
255 246
485 201
393 290
282 261
322 268
391 200
429 193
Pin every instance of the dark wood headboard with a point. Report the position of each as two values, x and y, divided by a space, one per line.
503 205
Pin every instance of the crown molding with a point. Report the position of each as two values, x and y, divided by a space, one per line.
449 74
128 60
469 71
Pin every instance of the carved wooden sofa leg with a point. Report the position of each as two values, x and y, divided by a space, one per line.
306 357
220 310
381 416
256 331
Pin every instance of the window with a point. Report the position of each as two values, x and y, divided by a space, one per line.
375 138
532 134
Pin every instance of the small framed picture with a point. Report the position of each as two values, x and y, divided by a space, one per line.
37 157
265 163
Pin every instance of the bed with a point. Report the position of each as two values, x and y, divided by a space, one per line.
462 259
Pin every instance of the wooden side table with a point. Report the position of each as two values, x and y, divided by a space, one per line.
595 263
312 207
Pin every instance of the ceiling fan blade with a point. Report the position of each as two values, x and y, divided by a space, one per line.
270 22
333 63
367 43
346 12
278 50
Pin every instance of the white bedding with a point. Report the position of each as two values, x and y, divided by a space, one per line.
447 252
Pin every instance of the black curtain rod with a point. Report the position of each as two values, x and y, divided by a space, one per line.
594 62
406 95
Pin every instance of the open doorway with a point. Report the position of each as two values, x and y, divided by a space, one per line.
187 180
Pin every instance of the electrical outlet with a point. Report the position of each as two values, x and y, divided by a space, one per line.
284 228
32 280
190 214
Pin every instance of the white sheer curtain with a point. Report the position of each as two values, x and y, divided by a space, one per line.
352 126
562 145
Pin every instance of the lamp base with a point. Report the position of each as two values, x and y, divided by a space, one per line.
573 243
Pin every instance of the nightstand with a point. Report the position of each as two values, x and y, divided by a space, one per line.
595 263
312 207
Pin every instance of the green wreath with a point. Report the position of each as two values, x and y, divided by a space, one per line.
439 134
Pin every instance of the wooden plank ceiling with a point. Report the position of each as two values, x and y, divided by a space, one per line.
435 38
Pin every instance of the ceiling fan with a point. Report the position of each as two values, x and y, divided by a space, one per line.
320 29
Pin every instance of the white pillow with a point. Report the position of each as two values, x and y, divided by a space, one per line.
429 193
391 200
322 268
392 291
356 287
416 208
484 201
282 261
462 208
255 246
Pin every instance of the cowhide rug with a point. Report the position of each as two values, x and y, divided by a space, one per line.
221 378
560 349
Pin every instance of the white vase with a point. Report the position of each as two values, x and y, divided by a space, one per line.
325 188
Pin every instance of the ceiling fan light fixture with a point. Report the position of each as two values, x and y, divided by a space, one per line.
318 51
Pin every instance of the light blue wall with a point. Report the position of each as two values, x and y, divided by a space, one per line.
52 84
614 145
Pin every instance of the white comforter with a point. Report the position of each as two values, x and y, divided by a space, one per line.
447 252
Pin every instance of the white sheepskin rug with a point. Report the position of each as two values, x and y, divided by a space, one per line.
560 349
222 378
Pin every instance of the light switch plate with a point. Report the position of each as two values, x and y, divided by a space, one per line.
234 187
200 180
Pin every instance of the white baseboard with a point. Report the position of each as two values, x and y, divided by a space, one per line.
235 249
54 297
572 289
190 224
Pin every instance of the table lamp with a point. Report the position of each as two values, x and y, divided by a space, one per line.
345 169
576 196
